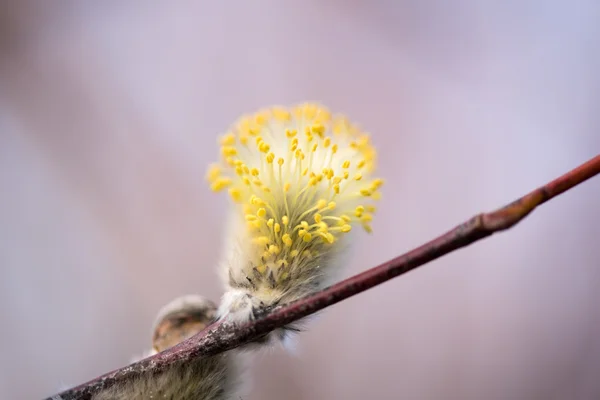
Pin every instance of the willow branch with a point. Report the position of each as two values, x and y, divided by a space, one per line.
223 336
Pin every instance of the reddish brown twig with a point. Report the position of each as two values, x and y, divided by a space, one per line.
221 337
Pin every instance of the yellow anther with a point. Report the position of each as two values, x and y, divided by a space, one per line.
318 218
277 227
361 163
287 187
377 183
304 224
336 189
261 240
280 161
319 129
213 173
250 217
290 133
230 161
367 218
365 192
261 212
261 268
359 211
321 203
358 177
301 233
334 148
257 182
254 171
294 253
307 237
274 249
346 228
346 164
236 194
255 200
314 148
270 222
261 118
228 151
270 158
331 205
287 240
263 147
285 220
346 174
371 209
228 140
326 142
345 218
220 184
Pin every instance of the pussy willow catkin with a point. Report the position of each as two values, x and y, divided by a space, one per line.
300 179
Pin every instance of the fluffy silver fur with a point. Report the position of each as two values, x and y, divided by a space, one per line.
210 378
248 292
217 377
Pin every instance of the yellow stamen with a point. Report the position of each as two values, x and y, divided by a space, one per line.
323 175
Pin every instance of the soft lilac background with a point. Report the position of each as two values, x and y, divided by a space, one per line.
108 116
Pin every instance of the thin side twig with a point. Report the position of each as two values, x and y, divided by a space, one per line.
223 336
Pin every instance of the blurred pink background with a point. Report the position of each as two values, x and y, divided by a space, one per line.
109 113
